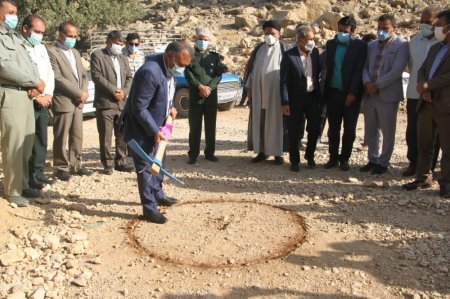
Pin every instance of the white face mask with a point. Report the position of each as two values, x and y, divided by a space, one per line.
439 33
270 39
310 45
116 49
426 30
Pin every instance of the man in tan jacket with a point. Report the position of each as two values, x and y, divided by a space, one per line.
71 91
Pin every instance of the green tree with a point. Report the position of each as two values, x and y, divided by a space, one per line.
88 14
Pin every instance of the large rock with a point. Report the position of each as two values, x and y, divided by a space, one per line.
32 253
329 20
316 8
11 257
246 21
39 293
289 31
291 16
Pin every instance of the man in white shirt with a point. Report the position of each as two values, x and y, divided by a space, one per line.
418 50
135 56
33 30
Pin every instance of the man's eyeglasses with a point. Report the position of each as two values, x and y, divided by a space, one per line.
136 45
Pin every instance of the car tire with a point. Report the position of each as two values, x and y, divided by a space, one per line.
181 102
226 106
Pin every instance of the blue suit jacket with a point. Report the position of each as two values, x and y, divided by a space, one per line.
393 64
145 111
293 78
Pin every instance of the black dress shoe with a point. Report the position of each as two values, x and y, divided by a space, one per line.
108 170
192 160
344 166
368 167
83 172
279 160
410 171
43 179
378 169
211 158
36 185
31 193
166 201
311 163
63 175
156 217
295 167
124 168
260 157
424 184
331 164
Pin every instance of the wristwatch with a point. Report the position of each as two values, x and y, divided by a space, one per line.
425 85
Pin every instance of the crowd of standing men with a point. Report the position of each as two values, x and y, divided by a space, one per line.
286 87
33 78
352 76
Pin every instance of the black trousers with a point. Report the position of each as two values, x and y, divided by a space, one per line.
411 134
39 154
337 114
310 110
196 115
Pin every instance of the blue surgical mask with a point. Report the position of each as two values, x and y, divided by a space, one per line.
10 22
69 42
132 49
176 69
343 37
35 38
202 44
426 30
382 35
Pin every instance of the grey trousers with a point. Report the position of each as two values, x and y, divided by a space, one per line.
17 137
106 118
68 126
380 119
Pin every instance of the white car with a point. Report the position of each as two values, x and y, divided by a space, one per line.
89 105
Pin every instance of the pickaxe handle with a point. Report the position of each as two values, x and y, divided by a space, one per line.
155 168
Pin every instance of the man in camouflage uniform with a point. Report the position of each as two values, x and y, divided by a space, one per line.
203 75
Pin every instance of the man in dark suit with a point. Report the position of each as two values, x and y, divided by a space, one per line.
71 91
300 94
148 105
112 76
433 85
345 58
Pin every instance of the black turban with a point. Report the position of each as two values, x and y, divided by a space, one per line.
272 23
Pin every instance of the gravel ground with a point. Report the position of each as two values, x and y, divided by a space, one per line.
238 232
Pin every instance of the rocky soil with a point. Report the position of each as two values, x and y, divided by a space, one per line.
241 230
236 25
